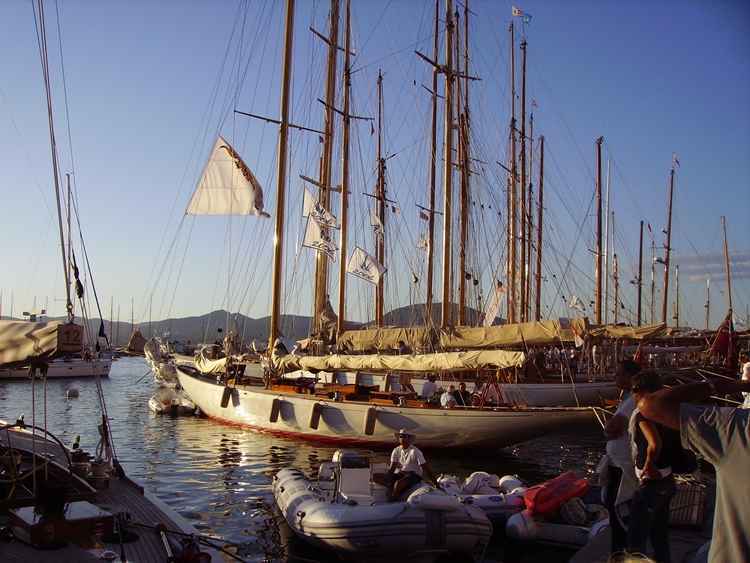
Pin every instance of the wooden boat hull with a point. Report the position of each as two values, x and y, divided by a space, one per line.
350 422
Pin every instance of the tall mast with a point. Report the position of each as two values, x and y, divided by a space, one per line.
522 273
667 248
464 197
111 317
512 212
448 170
616 269
677 296
341 321
726 262
70 237
132 315
653 281
281 162
433 170
598 272
640 274
708 301
380 195
529 220
539 230
321 259
612 230
606 246
117 337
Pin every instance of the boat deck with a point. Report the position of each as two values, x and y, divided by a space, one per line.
122 496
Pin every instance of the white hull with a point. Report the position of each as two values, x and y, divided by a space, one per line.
60 368
578 394
350 422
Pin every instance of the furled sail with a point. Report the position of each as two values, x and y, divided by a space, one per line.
493 305
435 362
22 342
364 266
227 186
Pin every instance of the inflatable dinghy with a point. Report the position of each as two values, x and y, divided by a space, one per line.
174 402
556 514
345 511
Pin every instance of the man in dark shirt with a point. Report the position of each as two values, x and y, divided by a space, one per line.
462 396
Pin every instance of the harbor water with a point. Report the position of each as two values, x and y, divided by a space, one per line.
218 477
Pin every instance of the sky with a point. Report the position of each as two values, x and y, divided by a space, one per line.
148 86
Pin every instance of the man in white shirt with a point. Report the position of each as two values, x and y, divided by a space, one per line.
448 399
429 388
745 376
408 464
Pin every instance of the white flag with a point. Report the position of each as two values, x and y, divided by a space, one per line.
364 266
577 304
493 305
311 207
516 12
377 226
227 186
319 238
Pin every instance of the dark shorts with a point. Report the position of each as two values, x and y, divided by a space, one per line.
409 478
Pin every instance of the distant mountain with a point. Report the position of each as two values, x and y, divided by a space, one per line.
205 328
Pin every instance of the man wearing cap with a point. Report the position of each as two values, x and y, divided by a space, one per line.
408 464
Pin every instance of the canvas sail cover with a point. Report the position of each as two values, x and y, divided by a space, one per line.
227 186
386 340
629 332
520 335
22 342
364 266
136 342
435 362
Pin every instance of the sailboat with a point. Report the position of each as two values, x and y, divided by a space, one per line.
351 413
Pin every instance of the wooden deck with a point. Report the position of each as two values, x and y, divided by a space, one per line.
122 496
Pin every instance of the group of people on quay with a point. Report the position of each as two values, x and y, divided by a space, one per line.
659 432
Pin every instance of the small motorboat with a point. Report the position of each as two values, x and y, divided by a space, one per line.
174 402
346 511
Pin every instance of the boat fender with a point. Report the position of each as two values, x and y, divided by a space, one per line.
427 498
508 483
225 397
315 414
371 416
598 527
522 526
480 483
275 410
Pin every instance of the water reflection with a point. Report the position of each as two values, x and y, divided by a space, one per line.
219 476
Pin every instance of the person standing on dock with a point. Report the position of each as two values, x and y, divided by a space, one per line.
721 435
621 481
655 448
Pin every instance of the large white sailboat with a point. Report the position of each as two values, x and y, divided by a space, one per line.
266 399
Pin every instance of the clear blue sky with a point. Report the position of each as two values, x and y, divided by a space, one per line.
149 87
